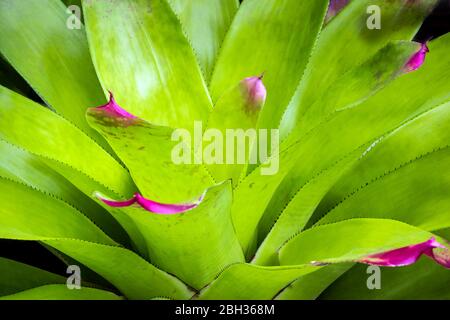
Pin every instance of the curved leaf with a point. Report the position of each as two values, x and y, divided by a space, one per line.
345 43
310 286
142 55
53 58
23 123
195 245
48 217
61 292
237 109
423 280
268 36
205 22
21 166
396 194
415 138
255 283
128 272
16 276
349 240
346 130
148 150
63 228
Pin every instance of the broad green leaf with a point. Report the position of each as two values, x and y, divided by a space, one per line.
21 166
349 90
349 240
252 195
416 192
27 214
346 130
275 37
132 275
53 58
148 152
421 281
230 130
415 154
295 215
360 83
413 139
205 23
43 133
310 286
16 276
195 245
143 57
249 282
347 42
57 224
90 187
339 135
61 292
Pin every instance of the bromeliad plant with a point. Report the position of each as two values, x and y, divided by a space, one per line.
363 160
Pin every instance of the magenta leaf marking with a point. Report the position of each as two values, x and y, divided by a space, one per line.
416 61
409 255
114 110
150 205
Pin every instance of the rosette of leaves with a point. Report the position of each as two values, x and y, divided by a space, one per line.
363 178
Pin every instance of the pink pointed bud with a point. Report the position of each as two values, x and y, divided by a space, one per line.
150 205
334 8
255 91
114 110
416 61
408 255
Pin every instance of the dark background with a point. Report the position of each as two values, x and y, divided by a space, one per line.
33 253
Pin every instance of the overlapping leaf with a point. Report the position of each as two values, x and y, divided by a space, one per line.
142 55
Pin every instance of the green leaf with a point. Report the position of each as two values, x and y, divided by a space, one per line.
360 83
418 140
279 228
347 130
61 292
351 89
53 59
24 123
57 224
238 110
412 140
345 43
415 192
16 276
420 281
254 282
268 36
310 286
349 240
148 152
128 272
252 195
195 245
50 218
205 23
21 166
143 57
